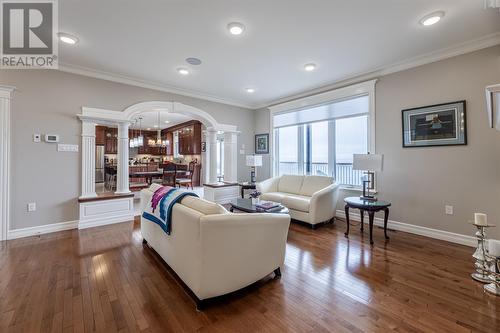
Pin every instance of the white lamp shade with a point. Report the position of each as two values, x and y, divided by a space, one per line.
367 162
254 160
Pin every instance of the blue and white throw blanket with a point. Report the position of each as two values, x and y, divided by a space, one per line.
159 209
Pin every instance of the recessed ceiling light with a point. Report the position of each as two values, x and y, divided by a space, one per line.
167 122
67 38
432 18
250 90
193 61
155 126
149 128
235 28
310 67
183 71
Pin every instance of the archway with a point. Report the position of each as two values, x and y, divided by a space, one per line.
123 119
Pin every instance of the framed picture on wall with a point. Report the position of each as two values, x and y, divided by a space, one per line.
262 143
435 125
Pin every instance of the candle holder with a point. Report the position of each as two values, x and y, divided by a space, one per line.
482 273
494 286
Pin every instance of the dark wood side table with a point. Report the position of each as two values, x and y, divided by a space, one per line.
246 186
369 206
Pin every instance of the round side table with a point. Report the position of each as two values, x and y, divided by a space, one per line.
369 206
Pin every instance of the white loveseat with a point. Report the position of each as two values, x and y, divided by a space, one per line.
310 199
215 252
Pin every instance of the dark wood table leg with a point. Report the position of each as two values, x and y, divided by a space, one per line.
347 219
242 192
362 213
386 217
371 215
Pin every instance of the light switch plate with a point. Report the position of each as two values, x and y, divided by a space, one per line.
448 210
32 207
67 148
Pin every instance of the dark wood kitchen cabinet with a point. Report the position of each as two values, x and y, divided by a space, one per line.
111 141
190 139
100 135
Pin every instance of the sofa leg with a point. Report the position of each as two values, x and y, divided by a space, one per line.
277 273
144 241
313 226
201 304
332 220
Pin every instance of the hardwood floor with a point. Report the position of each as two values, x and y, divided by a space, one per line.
103 279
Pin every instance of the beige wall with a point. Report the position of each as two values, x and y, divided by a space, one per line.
421 181
48 102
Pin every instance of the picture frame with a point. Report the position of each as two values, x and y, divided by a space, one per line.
435 125
262 143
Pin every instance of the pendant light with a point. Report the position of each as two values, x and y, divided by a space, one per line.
140 138
158 135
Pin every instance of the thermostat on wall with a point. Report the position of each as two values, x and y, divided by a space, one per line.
51 138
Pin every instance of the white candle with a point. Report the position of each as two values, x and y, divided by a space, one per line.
480 219
494 247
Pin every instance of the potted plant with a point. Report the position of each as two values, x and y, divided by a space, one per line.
255 197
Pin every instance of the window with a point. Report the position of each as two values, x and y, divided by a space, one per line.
321 139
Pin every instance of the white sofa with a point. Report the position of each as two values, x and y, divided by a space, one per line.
215 252
310 199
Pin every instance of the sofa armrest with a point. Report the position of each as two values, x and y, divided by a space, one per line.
323 203
268 185
240 249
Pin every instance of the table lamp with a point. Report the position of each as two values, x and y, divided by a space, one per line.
254 161
368 163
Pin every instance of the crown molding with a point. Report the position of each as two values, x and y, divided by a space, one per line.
449 52
427 58
132 81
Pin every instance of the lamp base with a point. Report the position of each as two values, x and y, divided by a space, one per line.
368 198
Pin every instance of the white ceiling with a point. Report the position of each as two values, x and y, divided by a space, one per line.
150 119
148 40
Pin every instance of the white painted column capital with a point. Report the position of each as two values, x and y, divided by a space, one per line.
212 155
5 145
231 157
122 175
88 159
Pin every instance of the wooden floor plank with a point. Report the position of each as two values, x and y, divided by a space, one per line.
104 280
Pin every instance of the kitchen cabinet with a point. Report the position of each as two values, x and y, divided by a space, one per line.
190 139
111 141
100 135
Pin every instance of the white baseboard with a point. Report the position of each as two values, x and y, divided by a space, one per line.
43 229
105 221
415 229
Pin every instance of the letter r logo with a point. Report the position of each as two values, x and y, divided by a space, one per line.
27 27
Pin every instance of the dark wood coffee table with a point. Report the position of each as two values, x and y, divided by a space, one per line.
369 206
245 205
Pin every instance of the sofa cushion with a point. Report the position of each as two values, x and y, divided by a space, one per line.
297 202
313 184
203 206
290 184
273 196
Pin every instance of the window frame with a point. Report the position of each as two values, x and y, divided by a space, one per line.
366 88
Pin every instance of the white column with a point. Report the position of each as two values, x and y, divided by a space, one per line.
88 159
212 155
5 96
122 183
204 159
231 157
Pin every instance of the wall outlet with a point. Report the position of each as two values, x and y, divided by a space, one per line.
31 206
37 138
448 210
